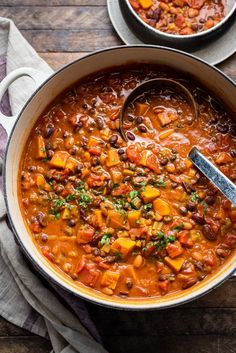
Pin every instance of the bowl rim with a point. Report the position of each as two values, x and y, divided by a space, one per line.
178 37
47 272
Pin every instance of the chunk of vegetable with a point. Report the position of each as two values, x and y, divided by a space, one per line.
110 279
175 264
146 4
150 193
85 234
59 159
133 217
161 207
41 151
94 145
123 246
141 108
41 183
166 133
112 158
166 118
150 160
174 249
98 219
66 213
224 158
116 176
116 219
71 164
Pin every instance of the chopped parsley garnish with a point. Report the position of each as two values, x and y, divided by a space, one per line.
58 215
160 183
179 227
70 197
133 194
195 197
147 207
161 242
85 200
58 203
118 255
105 239
119 203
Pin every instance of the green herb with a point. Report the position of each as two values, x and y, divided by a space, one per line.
58 215
42 149
195 197
160 183
160 234
147 207
138 221
45 159
142 183
58 203
179 227
85 200
118 255
133 194
70 197
105 239
161 242
119 203
136 203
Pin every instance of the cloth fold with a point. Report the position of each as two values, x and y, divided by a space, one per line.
25 300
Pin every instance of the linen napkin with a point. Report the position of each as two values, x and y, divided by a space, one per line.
25 299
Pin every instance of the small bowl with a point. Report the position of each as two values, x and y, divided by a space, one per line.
150 35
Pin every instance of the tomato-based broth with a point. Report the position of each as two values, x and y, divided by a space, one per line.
181 17
133 219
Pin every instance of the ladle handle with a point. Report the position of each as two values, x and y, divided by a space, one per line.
213 174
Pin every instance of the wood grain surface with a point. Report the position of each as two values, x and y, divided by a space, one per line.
62 31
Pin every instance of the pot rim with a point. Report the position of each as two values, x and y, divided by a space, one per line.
46 272
180 38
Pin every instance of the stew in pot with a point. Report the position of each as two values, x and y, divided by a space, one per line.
183 17
132 219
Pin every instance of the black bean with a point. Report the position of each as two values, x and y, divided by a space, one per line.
142 128
42 218
44 238
233 153
120 151
191 206
198 218
189 282
209 233
223 128
156 14
202 20
164 161
85 106
113 139
188 187
210 200
96 252
183 210
194 26
48 146
174 185
129 283
130 136
123 157
78 126
49 130
130 118
95 161
100 122
139 120
127 178
71 223
50 153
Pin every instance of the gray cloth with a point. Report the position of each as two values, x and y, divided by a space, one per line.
25 300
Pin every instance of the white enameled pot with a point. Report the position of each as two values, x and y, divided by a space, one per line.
20 127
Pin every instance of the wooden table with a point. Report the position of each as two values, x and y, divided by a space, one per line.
61 31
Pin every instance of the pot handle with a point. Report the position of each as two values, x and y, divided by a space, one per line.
37 76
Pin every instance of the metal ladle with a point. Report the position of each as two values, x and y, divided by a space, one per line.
225 185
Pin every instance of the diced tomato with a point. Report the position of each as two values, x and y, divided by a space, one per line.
153 163
35 227
185 239
174 249
233 216
133 154
47 253
196 4
80 265
163 286
85 234
138 232
179 20
210 259
135 4
96 150
123 189
230 240
95 180
90 276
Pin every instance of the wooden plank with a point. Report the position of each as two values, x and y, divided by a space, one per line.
24 345
57 60
177 321
52 2
171 344
80 17
71 41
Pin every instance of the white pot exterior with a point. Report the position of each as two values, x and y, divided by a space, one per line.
210 77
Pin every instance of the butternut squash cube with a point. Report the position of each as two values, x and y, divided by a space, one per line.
110 279
123 245
66 214
224 158
166 118
146 4
150 193
41 151
59 159
141 108
133 217
175 264
116 176
41 183
112 158
116 219
71 164
162 207
98 219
